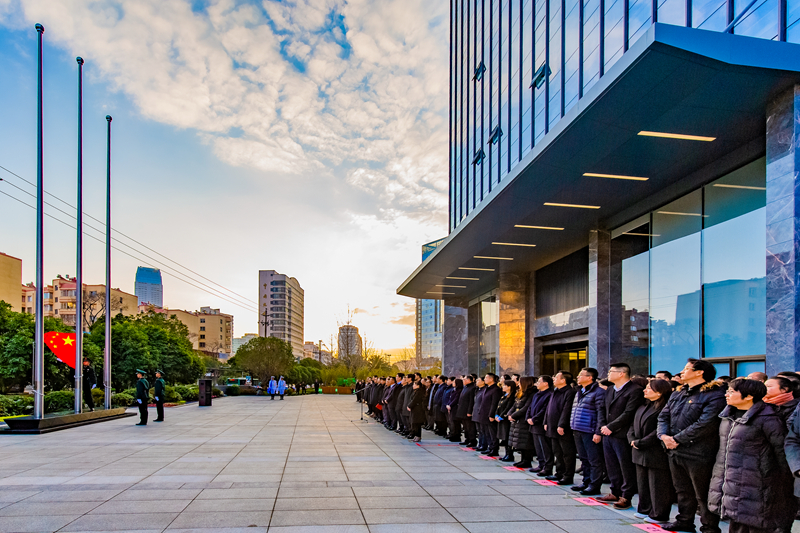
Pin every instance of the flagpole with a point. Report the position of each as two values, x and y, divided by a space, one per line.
79 269
107 355
38 353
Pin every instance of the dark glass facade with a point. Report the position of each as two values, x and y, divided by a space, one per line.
518 66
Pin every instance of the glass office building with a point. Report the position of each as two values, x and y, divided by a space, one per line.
623 186
429 318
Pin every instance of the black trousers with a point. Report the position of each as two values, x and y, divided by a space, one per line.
87 396
590 454
691 480
490 429
160 409
655 492
416 429
143 413
469 429
455 425
620 467
544 452
564 453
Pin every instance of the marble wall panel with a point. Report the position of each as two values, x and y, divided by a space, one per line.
598 354
512 295
455 343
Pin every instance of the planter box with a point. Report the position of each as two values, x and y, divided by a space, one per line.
337 390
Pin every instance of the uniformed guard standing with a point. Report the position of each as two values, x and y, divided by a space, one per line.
142 396
89 383
273 387
281 387
160 386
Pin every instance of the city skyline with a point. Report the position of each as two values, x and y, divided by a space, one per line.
365 75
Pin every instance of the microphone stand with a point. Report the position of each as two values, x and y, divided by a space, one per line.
361 402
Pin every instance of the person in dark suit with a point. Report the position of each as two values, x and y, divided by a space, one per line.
489 400
430 415
452 410
160 387
416 410
477 416
615 419
389 421
558 430
652 464
406 399
466 404
89 383
535 419
440 418
449 385
397 401
142 396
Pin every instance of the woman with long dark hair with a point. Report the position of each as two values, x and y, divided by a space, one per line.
652 466
520 438
504 406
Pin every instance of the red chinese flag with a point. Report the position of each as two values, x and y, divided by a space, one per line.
62 345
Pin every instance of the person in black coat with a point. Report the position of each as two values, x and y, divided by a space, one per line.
557 428
89 383
388 409
466 404
520 438
751 485
504 408
489 401
430 415
615 419
652 465
416 410
440 416
452 409
404 400
781 392
689 428
535 419
477 417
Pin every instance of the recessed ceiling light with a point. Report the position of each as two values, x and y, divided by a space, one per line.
614 176
537 227
681 214
676 136
467 279
472 268
513 244
643 234
437 292
490 257
579 206
454 286
748 187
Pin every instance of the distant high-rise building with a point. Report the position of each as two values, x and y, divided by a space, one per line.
210 330
11 283
148 287
313 351
350 342
281 300
429 318
244 339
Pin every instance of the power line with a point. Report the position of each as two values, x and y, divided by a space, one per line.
137 258
243 298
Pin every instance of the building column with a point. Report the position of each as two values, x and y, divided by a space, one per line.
512 294
533 349
455 358
783 229
599 352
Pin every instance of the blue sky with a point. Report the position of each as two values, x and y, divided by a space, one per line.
308 137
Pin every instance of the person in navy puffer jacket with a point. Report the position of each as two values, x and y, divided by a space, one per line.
588 401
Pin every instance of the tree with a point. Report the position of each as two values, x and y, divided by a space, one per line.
94 306
264 357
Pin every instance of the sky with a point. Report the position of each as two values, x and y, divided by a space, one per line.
309 137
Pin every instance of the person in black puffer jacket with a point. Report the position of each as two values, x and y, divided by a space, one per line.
781 395
689 428
504 407
519 437
751 485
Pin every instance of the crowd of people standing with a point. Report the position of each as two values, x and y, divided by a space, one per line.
719 447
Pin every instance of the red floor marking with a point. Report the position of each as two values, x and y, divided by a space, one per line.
487 458
588 501
513 468
468 449
544 482
650 528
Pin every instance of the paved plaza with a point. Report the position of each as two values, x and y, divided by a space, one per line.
250 464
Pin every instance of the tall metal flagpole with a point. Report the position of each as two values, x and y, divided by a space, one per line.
38 353
107 356
79 269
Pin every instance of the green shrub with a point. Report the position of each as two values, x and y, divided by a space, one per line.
171 395
60 400
130 392
16 405
189 393
121 399
98 395
232 390
248 391
215 392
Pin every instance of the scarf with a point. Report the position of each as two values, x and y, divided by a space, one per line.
780 399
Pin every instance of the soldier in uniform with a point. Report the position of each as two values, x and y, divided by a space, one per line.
160 386
142 396
89 383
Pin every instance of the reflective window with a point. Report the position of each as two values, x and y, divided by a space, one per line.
572 24
614 31
540 44
554 102
505 128
761 21
793 21
490 340
527 75
675 282
513 135
672 12
734 267
640 16
486 6
743 368
591 43
710 14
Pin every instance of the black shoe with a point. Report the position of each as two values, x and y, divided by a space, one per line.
507 458
465 443
142 424
409 436
524 464
91 409
492 453
564 482
519 464
535 469
158 420
578 488
591 491
551 478
679 526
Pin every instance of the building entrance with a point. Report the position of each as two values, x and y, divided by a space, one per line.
570 357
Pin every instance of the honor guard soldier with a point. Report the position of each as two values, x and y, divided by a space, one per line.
142 396
89 383
160 387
